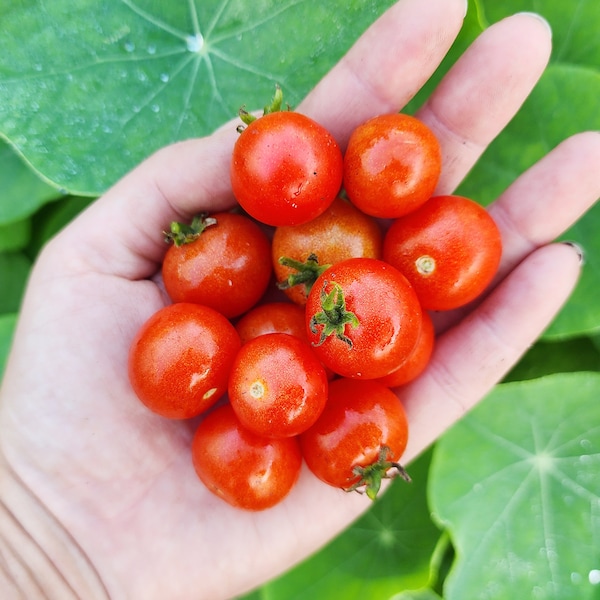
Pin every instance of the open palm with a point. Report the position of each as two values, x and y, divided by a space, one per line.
108 488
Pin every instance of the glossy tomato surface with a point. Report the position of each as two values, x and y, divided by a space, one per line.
361 420
449 249
286 169
179 360
363 318
277 385
341 232
227 267
246 470
272 317
392 165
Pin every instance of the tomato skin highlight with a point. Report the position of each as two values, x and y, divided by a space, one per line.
277 385
180 358
361 418
341 232
227 267
388 317
392 165
449 249
246 470
286 169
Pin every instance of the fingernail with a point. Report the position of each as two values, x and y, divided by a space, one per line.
466 8
578 249
539 18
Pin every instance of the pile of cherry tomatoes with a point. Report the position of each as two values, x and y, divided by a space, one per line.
360 251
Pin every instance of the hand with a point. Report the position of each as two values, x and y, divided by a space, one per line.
107 490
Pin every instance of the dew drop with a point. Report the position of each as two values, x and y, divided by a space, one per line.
129 46
594 576
164 77
155 108
151 49
195 42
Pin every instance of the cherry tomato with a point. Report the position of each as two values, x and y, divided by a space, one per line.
359 437
180 359
449 249
225 265
302 252
246 470
418 359
277 386
363 318
286 169
392 165
272 317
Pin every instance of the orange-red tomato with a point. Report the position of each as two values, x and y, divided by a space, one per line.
341 232
392 165
227 266
272 317
180 359
277 385
449 249
286 169
359 437
418 359
363 318
246 470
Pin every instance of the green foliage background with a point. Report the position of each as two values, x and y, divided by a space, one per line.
507 503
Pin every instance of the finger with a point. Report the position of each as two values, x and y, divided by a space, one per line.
387 65
548 198
473 356
483 90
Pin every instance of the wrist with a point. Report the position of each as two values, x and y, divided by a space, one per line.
38 557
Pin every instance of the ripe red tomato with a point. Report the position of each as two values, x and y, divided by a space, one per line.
449 249
286 169
277 386
246 470
226 265
392 165
418 359
359 437
180 359
272 317
363 318
341 232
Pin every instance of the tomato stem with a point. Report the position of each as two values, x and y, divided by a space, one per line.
334 316
371 476
274 106
182 233
306 273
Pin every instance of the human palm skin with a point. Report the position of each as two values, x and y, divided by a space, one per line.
99 496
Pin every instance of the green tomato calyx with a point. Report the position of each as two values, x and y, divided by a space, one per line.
182 233
371 476
306 273
276 105
334 317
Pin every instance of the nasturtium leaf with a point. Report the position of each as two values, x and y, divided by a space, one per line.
14 271
7 326
23 192
516 484
88 89
15 236
385 552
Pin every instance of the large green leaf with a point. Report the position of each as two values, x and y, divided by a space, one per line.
88 89
14 270
516 483
385 552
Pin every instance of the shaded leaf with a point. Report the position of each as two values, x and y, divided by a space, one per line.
516 484
23 192
89 89
7 326
14 236
385 552
14 271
